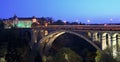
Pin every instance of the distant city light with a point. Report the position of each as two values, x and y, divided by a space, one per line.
76 20
111 19
64 21
105 24
88 21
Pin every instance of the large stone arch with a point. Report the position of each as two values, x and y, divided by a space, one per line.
46 42
106 40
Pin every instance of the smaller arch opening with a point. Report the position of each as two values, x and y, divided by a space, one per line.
89 35
107 40
115 44
116 40
96 37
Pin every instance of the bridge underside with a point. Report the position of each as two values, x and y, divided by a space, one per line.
51 44
72 41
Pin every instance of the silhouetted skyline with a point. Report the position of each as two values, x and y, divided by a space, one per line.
86 11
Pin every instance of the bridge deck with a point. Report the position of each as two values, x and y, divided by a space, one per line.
83 27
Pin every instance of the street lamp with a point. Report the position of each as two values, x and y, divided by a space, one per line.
111 21
64 22
88 21
76 20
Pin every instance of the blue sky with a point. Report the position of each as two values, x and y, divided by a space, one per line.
97 11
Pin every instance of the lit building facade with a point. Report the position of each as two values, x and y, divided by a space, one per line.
19 22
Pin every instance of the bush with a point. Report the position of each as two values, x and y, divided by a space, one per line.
66 55
104 57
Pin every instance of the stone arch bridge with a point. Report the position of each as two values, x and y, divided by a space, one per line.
99 36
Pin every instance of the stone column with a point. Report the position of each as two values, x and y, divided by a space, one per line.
100 41
114 49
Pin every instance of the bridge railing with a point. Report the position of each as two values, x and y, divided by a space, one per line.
82 27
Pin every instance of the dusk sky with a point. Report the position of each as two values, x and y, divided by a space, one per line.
97 11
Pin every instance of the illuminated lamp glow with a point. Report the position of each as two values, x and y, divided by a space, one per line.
105 24
64 21
34 20
88 21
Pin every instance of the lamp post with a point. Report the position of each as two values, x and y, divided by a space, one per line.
111 21
64 22
88 22
77 21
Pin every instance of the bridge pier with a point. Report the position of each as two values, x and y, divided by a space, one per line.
36 36
100 41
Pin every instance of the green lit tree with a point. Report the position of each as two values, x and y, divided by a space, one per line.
104 57
118 54
66 55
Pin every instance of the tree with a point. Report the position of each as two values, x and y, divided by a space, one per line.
42 20
49 20
74 23
81 23
66 55
35 24
1 24
118 54
58 22
104 57
109 52
67 23
17 47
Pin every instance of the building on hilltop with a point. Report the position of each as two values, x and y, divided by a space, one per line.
20 22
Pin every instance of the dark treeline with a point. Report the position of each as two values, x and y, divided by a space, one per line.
51 21
14 45
1 24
